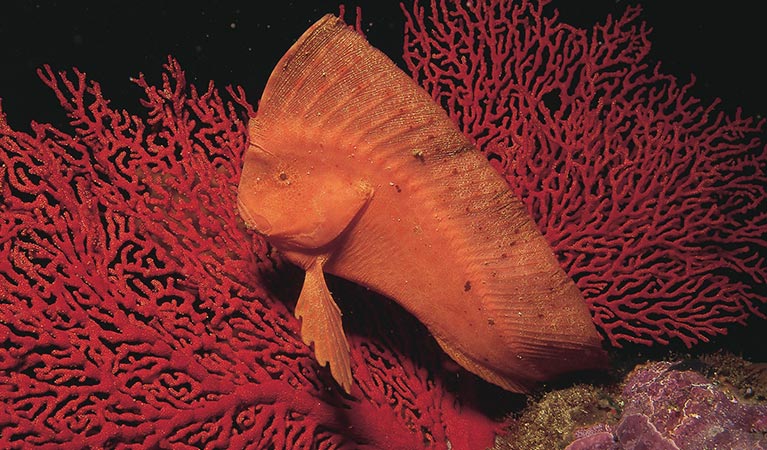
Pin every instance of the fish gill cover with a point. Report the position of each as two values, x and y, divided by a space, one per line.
132 312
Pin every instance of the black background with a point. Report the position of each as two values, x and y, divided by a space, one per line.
722 43
239 43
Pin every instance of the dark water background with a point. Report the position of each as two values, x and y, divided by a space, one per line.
722 43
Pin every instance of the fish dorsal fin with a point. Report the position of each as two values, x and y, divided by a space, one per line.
332 86
334 89
321 325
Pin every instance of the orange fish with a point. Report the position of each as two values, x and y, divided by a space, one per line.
353 170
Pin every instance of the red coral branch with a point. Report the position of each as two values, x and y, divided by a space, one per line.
653 201
132 311
131 307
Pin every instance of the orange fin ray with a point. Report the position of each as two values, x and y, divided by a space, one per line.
335 87
321 325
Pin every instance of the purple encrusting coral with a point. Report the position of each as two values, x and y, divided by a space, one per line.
667 407
131 311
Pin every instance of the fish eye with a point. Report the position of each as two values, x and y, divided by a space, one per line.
283 177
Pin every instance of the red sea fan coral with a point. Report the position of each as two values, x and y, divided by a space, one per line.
654 202
132 313
131 310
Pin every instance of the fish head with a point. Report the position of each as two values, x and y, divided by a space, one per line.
266 185
295 197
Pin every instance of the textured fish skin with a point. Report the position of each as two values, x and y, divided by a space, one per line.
353 170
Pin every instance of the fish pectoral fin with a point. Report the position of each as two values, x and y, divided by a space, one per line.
321 325
335 202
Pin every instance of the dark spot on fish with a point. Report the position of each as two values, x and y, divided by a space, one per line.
467 286
504 255
283 176
490 322
460 149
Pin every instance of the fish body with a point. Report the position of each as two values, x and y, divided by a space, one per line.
353 170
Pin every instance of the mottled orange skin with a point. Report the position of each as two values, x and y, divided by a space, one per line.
354 171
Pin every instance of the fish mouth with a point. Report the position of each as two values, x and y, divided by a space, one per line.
254 221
